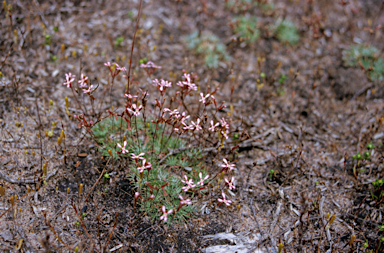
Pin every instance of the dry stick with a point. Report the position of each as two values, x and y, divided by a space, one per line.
54 231
41 142
133 44
275 218
82 224
101 175
321 205
254 215
110 235
25 181
6 211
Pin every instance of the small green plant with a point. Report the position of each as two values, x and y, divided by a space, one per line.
143 60
106 132
378 190
287 32
246 28
118 41
366 57
48 39
209 45
282 79
271 174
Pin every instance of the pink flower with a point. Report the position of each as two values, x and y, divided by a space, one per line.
224 124
212 128
130 96
196 126
69 78
224 200
139 156
184 118
184 201
162 84
135 109
83 81
165 213
108 64
201 182
230 183
146 165
228 166
224 133
203 98
123 150
150 65
88 90
120 68
187 82
189 183
175 112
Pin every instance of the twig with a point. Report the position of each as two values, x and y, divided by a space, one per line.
133 45
25 181
361 91
321 205
41 141
110 235
275 218
254 215
101 175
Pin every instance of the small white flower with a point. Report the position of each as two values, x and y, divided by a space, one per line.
165 213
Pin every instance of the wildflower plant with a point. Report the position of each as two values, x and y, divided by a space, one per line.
209 45
286 32
148 127
366 57
246 28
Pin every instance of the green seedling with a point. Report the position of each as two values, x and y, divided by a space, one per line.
287 32
209 45
282 79
378 191
118 41
366 57
131 15
358 156
370 146
271 174
106 176
246 28
143 60
48 39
